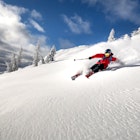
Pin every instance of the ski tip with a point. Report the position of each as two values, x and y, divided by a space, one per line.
89 74
86 76
72 78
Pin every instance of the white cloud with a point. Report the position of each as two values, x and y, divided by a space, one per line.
11 27
37 26
16 10
12 30
122 9
36 15
64 43
77 24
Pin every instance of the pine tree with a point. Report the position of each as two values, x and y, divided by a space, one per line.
135 32
126 37
36 56
50 56
14 63
9 67
19 57
111 36
42 60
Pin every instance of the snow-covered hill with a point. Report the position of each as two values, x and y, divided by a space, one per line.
43 103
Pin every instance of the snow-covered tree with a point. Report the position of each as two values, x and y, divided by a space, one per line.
14 63
52 52
42 60
135 32
111 36
126 37
8 67
50 56
36 55
19 57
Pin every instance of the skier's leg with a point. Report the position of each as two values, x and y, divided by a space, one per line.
98 67
91 71
89 74
101 67
95 68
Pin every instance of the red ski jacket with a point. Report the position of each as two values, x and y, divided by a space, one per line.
105 60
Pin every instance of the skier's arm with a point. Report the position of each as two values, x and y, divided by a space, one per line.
114 59
96 56
117 60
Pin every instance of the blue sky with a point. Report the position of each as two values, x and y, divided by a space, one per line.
69 23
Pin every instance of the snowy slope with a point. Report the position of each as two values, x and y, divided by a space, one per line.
43 103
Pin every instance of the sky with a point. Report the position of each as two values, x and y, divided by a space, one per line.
66 23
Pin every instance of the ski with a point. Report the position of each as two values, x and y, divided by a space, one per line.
79 74
75 76
89 74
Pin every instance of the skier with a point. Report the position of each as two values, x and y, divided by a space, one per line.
102 64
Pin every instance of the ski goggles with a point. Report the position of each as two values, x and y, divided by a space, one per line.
107 54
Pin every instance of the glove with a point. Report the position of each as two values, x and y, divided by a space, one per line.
90 58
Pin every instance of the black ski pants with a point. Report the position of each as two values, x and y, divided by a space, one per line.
95 68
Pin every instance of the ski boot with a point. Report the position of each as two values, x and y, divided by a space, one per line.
89 74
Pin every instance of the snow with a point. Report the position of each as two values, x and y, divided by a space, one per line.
43 103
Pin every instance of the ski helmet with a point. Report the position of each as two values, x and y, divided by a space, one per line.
108 51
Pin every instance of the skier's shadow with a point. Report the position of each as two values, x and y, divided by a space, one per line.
119 67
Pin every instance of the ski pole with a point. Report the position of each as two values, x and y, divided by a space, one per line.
81 59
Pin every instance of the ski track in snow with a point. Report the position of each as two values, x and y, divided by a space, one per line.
77 113
104 119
